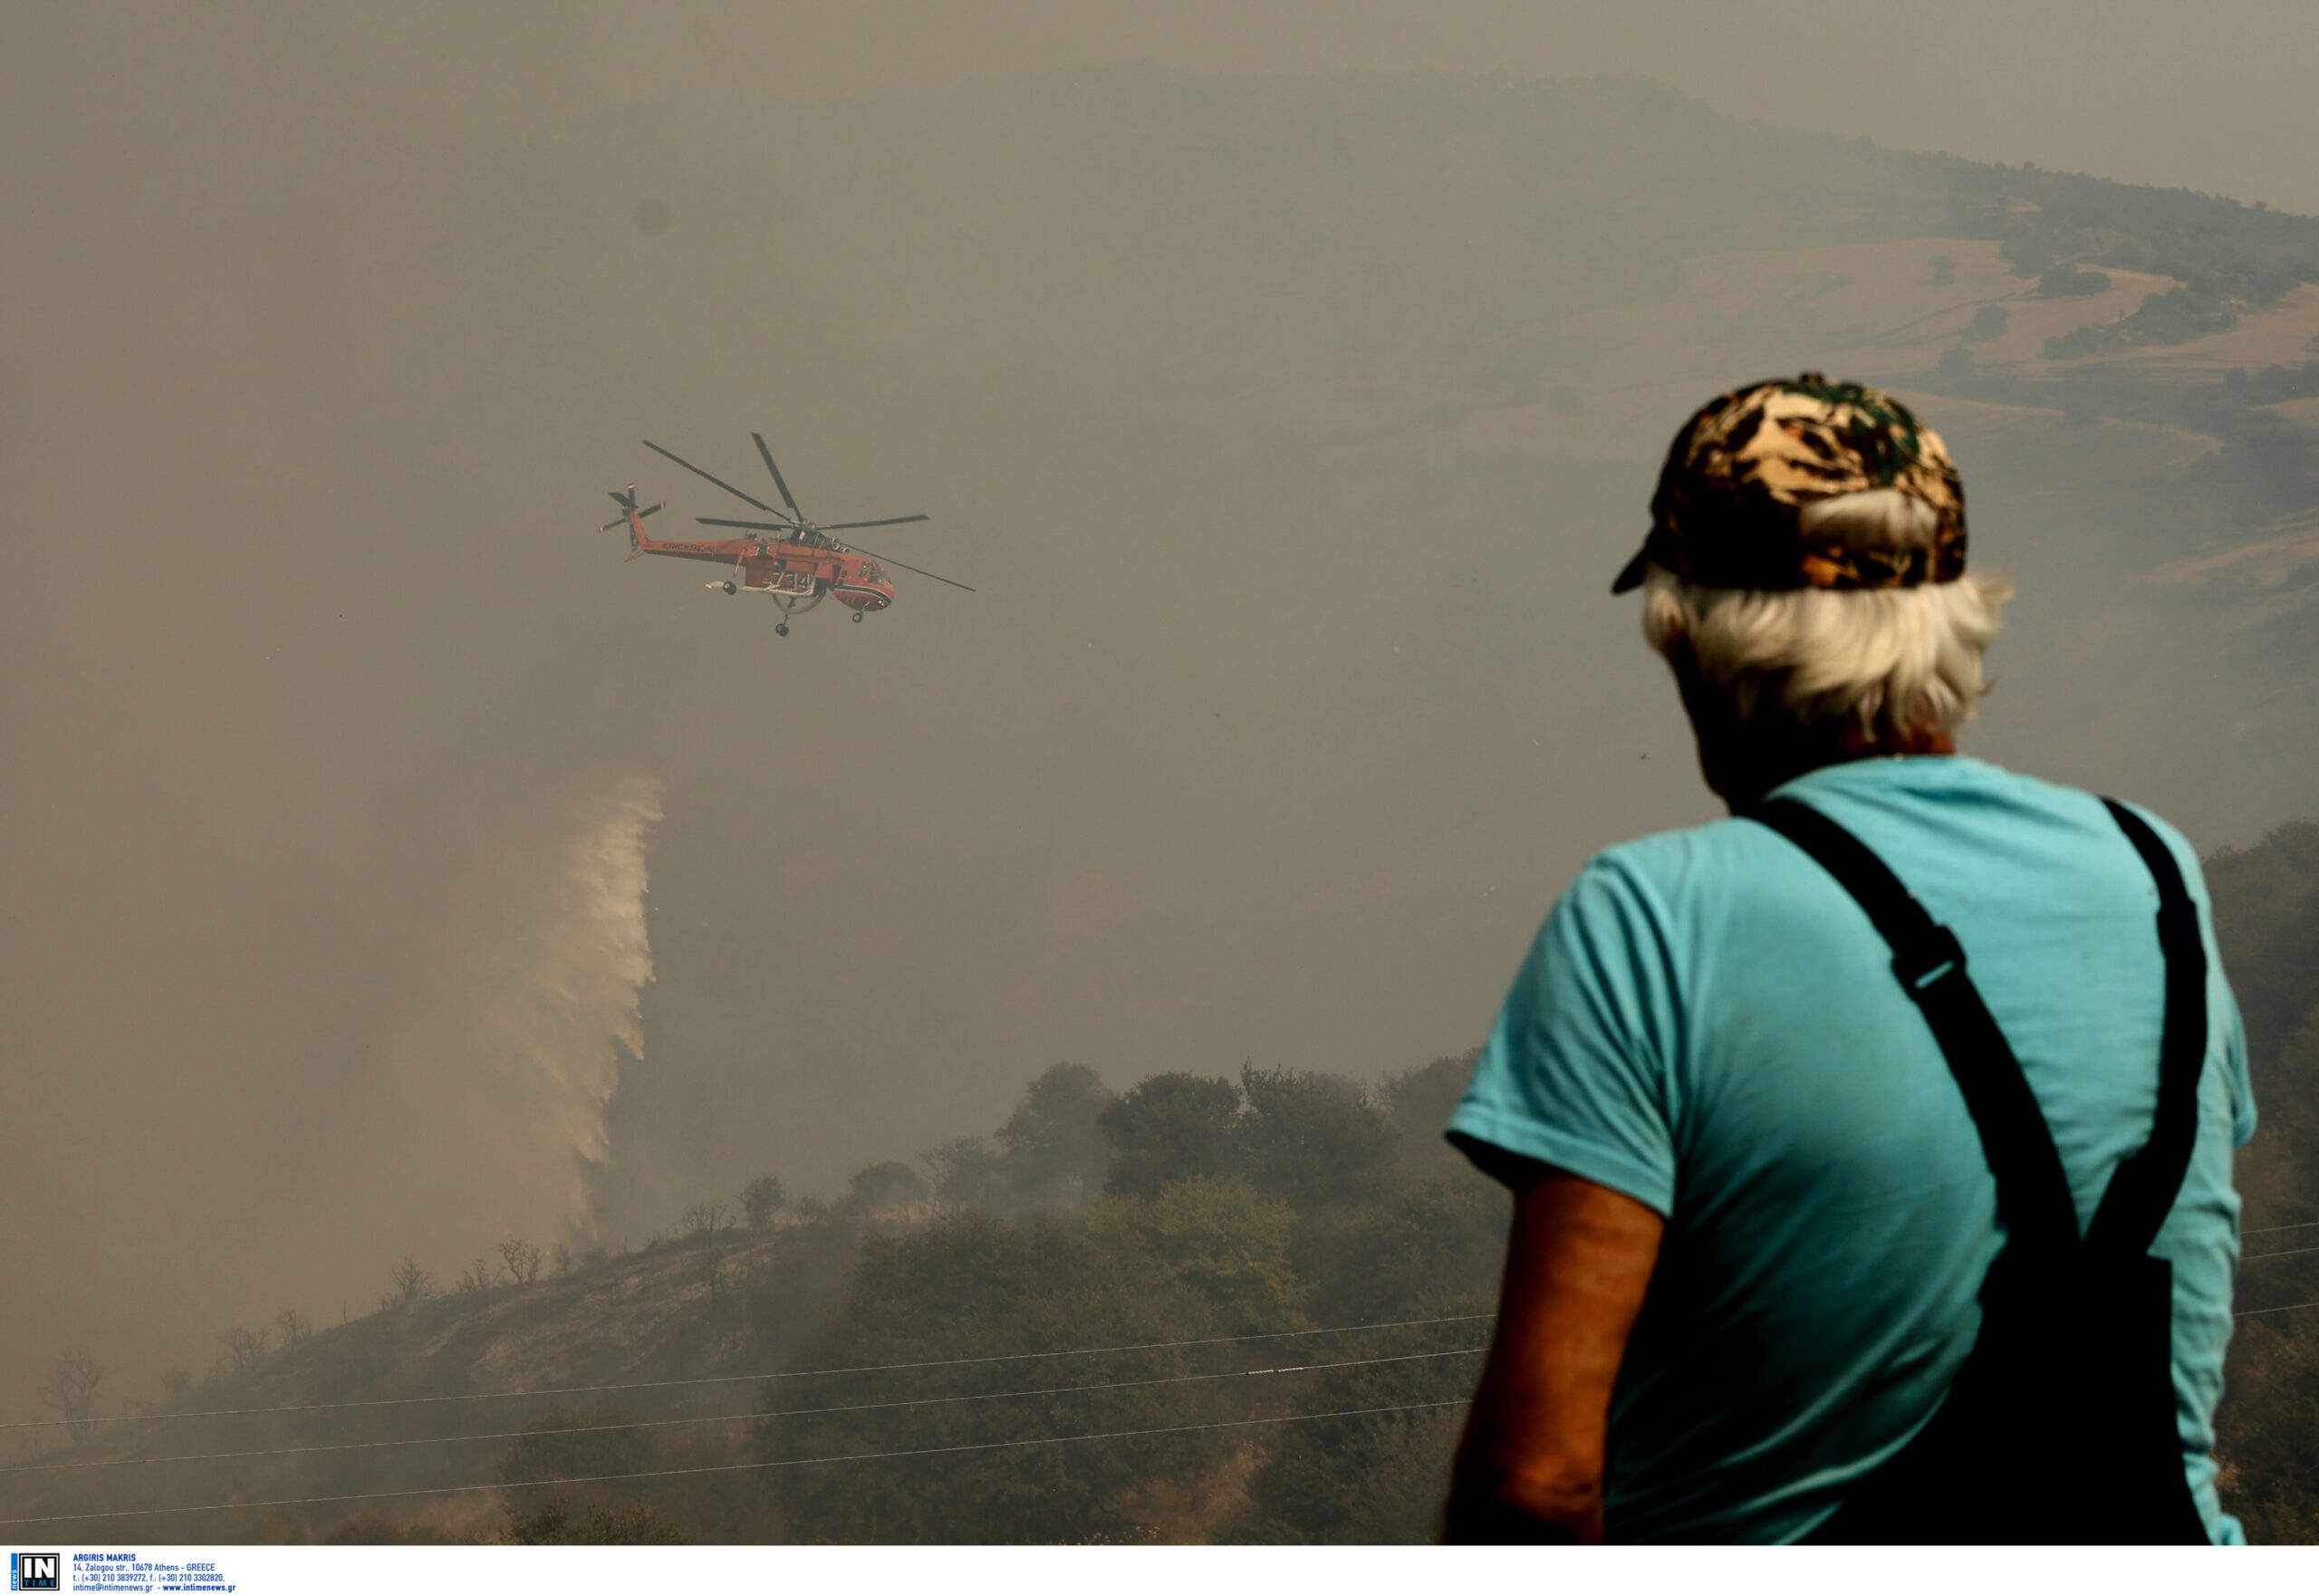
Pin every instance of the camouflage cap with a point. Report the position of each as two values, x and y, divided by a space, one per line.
1729 512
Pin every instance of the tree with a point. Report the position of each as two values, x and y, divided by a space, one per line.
570 1443
1990 321
1217 1238
1312 1139
244 1348
966 1172
1944 271
705 1218
522 1260
1169 1128
762 1198
1957 364
882 1187
1052 1139
70 1390
477 1277
1419 1102
373 1529
1376 1478
175 1381
975 1285
2029 259
413 1285
294 1326
1399 1255
2067 282
552 1524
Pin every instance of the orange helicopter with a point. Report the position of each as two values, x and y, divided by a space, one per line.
798 566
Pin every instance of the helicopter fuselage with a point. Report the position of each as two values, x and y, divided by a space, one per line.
795 571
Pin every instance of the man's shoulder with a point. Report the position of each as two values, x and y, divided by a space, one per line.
1670 876
1957 822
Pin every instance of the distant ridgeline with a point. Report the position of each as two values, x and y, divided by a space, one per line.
1635 163
1561 200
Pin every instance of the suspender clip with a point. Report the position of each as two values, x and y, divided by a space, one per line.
1935 955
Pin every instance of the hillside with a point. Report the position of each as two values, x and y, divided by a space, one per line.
1233 1212
1248 1232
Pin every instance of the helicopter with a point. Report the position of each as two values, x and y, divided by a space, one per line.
797 566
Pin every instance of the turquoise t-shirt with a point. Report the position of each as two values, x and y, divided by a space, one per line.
1709 1024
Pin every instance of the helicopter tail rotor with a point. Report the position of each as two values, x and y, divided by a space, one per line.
630 516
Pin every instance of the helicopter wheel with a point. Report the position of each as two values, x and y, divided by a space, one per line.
728 587
781 629
857 616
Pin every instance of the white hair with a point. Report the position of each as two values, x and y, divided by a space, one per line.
1889 663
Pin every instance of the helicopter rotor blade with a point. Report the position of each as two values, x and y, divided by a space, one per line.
890 521
696 471
787 498
752 525
883 560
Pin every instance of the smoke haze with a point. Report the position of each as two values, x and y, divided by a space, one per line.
343 751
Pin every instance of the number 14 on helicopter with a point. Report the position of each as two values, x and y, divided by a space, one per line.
791 559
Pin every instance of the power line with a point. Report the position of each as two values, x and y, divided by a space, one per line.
712 1379
2290 1252
583 1430
835 1457
2273 1229
651 1474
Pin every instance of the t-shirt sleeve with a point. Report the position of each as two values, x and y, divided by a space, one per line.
2242 1085
1576 1071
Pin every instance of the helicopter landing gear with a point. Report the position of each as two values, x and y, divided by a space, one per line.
728 587
857 616
781 629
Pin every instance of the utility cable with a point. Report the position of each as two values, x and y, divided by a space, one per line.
653 1474
712 1379
584 1429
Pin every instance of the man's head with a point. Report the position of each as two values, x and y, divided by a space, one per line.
1804 577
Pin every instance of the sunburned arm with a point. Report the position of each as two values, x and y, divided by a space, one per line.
1530 1467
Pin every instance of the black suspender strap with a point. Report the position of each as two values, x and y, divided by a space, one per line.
2074 1352
2032 1191
2142 1192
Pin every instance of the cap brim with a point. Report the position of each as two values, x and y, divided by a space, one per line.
1631 577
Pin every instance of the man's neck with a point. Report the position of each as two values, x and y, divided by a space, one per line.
1746 779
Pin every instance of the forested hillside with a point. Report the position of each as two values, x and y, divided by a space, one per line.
1157 1289
1195 1252
2266 914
